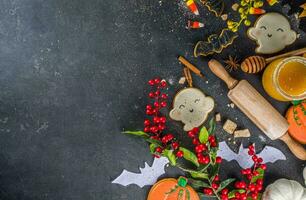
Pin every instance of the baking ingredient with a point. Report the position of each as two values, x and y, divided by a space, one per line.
232 63
288 79
229 126
296 116
190 66
191 106
172 189
270 36
242 133
284 189
253 64
303 13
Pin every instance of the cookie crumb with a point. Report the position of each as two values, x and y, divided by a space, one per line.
182 80
224 17
218 117
235 6
232 105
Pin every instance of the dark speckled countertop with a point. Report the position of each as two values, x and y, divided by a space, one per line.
72 77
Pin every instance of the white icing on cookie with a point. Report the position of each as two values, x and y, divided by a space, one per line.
272 32
191 107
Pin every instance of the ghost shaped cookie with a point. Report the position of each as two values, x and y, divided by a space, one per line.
272 32
191 107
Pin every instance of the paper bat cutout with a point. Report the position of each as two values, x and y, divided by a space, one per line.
215 44
147 176
268 154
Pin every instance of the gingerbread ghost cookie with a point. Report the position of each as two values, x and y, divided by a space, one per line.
191 107
272 32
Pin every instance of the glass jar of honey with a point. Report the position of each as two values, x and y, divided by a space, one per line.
285 79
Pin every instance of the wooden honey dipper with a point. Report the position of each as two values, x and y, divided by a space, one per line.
254 64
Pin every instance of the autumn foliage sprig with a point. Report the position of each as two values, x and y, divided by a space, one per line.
204 175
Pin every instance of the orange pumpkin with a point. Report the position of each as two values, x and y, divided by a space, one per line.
296 117
172 189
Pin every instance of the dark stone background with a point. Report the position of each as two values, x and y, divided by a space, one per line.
72 77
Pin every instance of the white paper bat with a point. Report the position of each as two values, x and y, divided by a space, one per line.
268 154
147 176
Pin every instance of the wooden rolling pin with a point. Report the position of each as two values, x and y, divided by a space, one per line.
254 64
258 109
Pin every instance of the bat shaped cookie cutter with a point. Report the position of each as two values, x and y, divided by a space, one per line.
147 176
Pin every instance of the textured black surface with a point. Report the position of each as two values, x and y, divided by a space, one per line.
72 77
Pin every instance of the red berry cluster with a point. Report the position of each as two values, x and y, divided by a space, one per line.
202 150
155 124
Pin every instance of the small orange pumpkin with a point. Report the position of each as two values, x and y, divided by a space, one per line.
172 189
296 117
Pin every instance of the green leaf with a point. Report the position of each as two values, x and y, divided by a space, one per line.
232 193
212 126
188 155
225 183
171 157
203 167
152 141
203 136
214 171
199 175
204 196
197 184
137 133
260 176
152 148
259 196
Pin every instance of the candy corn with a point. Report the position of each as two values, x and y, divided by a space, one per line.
256 11
272 2
192 7
194 24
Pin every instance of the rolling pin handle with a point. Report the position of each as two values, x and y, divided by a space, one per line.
219 71
296 148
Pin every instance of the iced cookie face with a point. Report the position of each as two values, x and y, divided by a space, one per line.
191 107
272 32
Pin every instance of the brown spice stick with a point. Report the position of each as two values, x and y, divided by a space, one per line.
188 76
190 66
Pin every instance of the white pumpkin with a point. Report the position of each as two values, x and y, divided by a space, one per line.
284 189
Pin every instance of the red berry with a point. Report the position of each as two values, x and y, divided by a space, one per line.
175 145
207 191
243 172
161 127
258 188
263 166
149 107
149 112
156 156
201 159
151 95
251 148
180 154
156 120
249 176
260 160
154 111
215 185
156 104
213 144
158 149
163 104
259 181
163 84
251 152
255 158
162 120
155 137
218 159
191 134
157 93
237 195
154 129
157 80
224 191
248 171
206 160
243 196
211 139
224 197
146 129
217 178
147 122
195 141
164 96
196 130
151 82
254 196
200 148
252 187
255 173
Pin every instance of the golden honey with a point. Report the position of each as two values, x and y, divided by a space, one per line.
285 79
